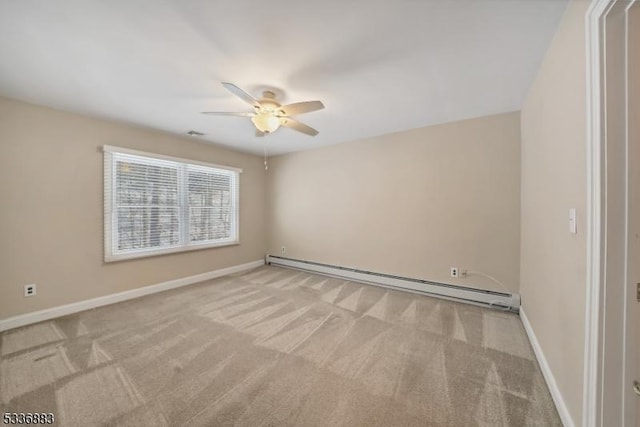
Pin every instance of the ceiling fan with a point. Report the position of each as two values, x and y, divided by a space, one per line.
269 114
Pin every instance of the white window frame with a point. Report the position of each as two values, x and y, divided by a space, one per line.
110 228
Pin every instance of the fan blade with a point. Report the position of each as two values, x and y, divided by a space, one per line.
241 94
300 108
299 126
259 132
216 113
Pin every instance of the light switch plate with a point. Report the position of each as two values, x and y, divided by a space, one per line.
573 226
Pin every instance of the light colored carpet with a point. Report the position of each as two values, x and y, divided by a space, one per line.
278 347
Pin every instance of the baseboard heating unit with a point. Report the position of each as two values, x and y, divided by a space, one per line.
493 299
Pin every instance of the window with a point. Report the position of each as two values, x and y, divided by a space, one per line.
157 204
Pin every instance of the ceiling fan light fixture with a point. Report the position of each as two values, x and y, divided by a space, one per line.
266 122
269 114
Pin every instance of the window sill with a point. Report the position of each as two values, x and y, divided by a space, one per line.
166 251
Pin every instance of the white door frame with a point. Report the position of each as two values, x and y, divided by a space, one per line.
599 351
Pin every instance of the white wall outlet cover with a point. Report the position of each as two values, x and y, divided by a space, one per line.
454 271
30 290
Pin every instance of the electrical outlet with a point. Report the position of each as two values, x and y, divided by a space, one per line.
454 271
284 249
30 290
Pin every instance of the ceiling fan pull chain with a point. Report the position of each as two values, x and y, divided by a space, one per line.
266 167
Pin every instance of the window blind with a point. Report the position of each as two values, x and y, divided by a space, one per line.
156 204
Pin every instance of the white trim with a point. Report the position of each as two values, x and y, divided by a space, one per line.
182 168
113 149
629 415
502 300
63 310
596 349
107 214
561 406
144 253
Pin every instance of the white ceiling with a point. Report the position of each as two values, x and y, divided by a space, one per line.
379 66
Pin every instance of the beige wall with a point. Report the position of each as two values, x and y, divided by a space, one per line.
633 330
51 214
413 203
553 261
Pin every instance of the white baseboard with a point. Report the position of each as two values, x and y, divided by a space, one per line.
63 310
561 406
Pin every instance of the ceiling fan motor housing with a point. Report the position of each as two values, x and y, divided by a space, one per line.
269 103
